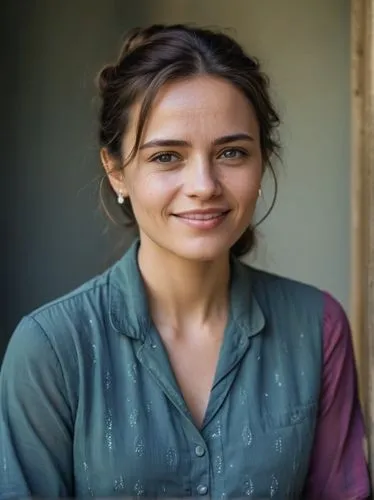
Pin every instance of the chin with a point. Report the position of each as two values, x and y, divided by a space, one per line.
202 251
204 248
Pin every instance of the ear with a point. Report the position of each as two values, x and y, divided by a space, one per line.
115 175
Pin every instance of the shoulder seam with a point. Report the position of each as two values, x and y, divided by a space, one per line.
49 342
65 298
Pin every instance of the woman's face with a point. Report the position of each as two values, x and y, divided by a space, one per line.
194 182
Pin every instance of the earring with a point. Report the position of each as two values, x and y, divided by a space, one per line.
260 193
120 198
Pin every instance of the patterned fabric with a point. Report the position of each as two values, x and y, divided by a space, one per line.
89 405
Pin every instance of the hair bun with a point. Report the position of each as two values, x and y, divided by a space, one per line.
106 77
137 37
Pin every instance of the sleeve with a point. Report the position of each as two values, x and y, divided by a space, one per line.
36 424
338 469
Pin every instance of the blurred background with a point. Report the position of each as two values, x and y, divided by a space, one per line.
54 236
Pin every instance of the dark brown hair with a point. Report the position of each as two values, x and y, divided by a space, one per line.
153 56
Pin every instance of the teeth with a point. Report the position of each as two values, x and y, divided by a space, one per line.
203 216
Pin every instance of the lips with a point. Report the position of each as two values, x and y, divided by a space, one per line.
209 213
203 219
202 216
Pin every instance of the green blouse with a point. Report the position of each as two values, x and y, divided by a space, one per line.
90 405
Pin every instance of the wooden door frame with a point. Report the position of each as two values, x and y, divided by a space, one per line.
362 206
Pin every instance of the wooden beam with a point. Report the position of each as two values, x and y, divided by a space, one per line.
362 203
368 169
358 189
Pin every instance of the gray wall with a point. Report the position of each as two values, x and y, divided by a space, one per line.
55 237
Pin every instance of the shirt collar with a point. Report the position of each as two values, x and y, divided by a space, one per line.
245 310
128 304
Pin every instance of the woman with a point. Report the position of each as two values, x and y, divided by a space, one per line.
180 371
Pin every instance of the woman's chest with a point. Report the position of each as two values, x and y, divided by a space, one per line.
134 435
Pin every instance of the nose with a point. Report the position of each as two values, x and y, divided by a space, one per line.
202 180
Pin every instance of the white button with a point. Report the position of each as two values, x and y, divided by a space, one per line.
199 451
202 489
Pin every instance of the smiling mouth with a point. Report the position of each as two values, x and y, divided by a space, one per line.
201 220
202 217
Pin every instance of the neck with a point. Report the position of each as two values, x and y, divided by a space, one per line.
183 292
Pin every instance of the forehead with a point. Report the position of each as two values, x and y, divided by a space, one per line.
198 107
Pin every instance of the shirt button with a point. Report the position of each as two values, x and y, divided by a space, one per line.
202 489
199 451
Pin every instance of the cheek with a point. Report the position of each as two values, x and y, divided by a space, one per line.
244 185
153 192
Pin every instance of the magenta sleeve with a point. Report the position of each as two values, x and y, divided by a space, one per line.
338 468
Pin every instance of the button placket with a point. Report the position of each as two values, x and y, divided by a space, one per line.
200 474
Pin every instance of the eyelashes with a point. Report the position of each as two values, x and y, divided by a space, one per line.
172 157
234 153
166 157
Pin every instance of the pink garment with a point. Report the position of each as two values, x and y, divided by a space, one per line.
338 469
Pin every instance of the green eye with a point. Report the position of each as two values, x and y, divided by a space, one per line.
232 154
165 158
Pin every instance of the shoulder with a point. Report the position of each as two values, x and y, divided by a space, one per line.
79 324
74 310
334 313
272 281
336 328
300 293
77 299
286 293
54 342
60 328
29 343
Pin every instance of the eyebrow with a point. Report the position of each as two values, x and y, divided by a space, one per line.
226 139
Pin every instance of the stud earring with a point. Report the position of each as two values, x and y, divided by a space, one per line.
120 198
260 193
